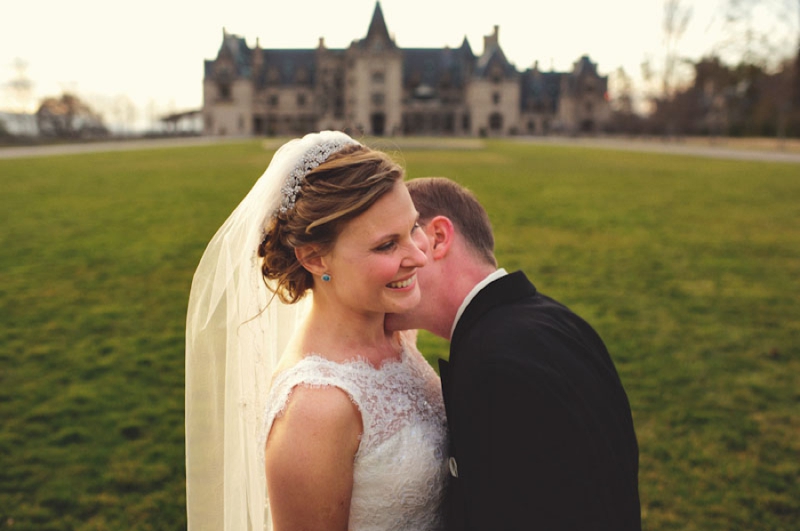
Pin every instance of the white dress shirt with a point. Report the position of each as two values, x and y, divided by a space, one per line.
471 295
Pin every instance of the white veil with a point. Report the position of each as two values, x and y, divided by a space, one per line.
235 332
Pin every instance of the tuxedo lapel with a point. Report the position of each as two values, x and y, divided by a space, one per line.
444 375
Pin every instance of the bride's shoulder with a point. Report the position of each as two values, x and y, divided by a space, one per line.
320 406
308 390
317 422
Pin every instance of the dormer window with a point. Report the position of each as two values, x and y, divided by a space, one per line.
496 74
302 76
224 71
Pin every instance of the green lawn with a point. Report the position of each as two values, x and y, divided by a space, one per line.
689 268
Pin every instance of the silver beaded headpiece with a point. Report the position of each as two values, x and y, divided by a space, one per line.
310 160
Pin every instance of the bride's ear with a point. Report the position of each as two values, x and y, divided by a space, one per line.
311 259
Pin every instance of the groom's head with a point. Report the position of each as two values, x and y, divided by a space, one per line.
439 196
460 253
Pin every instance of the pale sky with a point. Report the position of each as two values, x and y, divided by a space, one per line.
152 51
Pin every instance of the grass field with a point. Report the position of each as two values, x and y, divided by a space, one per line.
689 268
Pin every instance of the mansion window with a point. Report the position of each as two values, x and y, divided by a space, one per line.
378 98
301 100
378 78
496 98
224 91
274 100
496 121
449 122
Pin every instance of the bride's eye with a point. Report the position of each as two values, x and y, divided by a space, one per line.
388 246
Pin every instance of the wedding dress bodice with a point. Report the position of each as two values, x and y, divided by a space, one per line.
401 465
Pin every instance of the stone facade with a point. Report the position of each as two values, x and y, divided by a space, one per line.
373 87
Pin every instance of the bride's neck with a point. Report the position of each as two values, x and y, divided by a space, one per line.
341 335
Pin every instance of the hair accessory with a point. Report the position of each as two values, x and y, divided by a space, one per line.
312 158
326 277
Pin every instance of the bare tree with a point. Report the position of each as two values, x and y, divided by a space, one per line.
760 32
676 20
624 118
663 77
766 33
21 86
118 110
69 117
124 112
622 87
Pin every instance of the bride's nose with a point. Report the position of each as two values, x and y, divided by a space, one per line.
417 250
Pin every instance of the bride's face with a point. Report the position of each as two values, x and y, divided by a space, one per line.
374 261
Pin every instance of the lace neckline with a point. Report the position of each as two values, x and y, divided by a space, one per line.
357 362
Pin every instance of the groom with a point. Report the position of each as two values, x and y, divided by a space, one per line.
540 426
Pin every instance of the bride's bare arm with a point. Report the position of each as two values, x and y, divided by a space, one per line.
309 460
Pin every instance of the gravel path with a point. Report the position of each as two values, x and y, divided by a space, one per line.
95 147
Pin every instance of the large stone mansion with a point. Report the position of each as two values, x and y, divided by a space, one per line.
375 88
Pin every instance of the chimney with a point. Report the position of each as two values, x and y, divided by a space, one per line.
492 41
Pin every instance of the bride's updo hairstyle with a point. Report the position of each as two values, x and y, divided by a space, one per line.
341 188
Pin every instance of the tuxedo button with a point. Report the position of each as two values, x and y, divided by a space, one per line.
453 467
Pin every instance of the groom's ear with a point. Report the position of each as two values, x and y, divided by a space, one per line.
440 231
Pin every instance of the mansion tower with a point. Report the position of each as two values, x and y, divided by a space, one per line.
374 87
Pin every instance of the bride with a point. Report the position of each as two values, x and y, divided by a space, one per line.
301 411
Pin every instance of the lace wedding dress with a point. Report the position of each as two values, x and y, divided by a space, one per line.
401 464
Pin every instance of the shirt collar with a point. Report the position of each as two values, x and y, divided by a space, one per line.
471 295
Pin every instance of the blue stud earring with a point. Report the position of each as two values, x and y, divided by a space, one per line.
326 277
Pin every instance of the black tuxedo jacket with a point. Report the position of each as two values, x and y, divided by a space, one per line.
541 434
